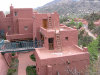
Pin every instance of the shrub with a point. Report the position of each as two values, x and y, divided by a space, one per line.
63 19
33 57
84 40
93 50
79 25
11 71
13 54
97 30
91 25
31 70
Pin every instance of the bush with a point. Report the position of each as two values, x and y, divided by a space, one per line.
79 25
63 19
33 57
97 30
93 17
13 54
11 71
91 25
93 50
84 40
31 70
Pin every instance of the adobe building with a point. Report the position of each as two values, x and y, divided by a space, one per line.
97 23
60 51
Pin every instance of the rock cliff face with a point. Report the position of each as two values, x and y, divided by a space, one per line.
64 7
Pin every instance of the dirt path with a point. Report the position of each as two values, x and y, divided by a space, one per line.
89 33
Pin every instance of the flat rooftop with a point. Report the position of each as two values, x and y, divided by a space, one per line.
44 53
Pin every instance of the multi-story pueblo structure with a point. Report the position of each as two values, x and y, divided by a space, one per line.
56 50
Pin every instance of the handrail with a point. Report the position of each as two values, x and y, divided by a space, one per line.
14 46
1 43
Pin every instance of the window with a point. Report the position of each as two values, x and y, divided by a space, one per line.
15 13
45 21
26 28
66 38
9 28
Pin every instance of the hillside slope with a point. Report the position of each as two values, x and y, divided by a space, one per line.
65 7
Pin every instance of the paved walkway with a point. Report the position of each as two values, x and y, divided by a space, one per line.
24 61
3 66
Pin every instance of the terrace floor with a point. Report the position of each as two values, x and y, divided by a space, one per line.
3 66
24 61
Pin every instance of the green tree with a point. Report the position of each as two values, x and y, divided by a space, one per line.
93 17
97 30
79 25
72 22
93 50
63 19
99 42
84 40
91 25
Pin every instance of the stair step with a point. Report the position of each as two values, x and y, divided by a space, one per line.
59 48
50 22
59 45
57 34
58 42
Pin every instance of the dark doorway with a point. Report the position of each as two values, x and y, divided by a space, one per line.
51 43
42 37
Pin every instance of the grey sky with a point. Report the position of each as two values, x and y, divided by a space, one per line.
5 4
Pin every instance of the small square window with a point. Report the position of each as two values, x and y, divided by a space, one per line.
9 28
15 13
26 28
66 38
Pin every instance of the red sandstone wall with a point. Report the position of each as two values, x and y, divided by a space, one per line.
19 36
72 37
38 22
37 63
23 12
60 64
8 58
23 23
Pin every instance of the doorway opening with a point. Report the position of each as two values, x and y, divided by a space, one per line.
51 43
42 37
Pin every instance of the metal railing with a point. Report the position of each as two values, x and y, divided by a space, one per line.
20 45
1 43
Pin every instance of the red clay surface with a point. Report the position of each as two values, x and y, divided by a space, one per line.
43 53
3 66
24 61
